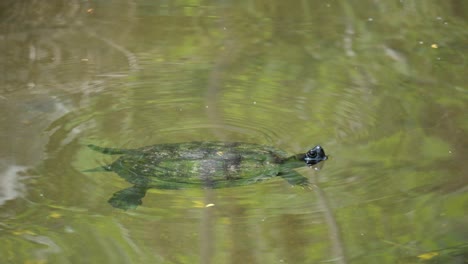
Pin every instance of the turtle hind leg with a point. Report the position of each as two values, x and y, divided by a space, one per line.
110 151
129 198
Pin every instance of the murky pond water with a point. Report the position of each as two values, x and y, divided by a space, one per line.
381 85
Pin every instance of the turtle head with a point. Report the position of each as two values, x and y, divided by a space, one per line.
315 155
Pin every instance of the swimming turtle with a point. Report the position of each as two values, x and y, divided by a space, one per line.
204 164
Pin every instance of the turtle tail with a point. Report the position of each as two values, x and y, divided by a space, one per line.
99 169
110 151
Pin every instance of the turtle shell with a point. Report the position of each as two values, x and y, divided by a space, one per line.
212 164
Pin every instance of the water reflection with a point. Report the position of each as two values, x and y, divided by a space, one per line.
10 183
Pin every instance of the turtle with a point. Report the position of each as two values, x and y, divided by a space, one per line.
202 164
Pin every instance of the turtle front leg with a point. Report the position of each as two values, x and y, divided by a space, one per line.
295 178
129 198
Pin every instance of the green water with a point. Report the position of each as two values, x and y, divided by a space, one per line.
381 85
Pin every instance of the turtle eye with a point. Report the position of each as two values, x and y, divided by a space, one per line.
312 154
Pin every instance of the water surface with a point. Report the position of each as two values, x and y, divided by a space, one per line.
381 85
